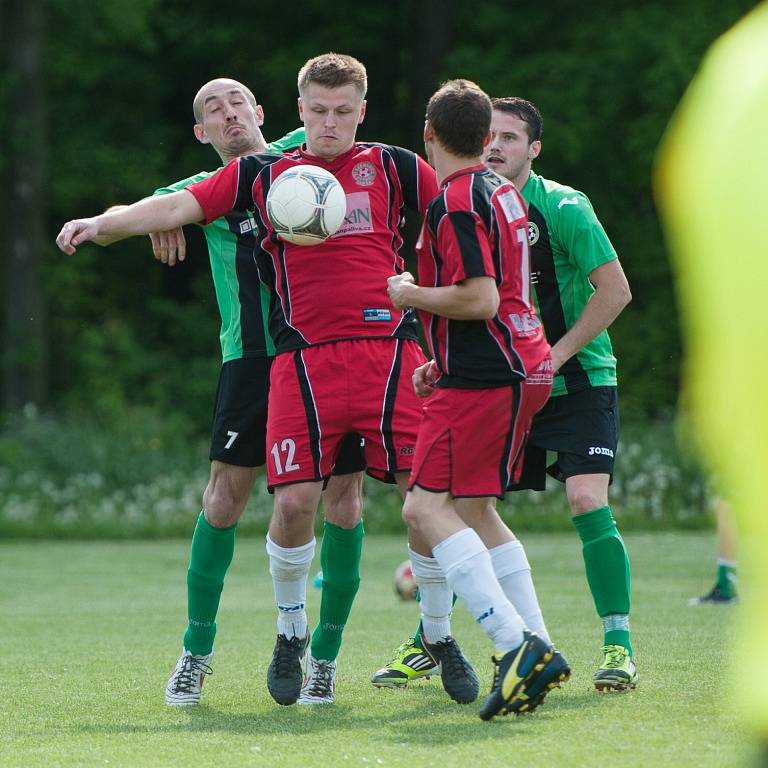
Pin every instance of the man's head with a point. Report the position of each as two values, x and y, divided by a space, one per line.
332 90
516 128
458 118
228 117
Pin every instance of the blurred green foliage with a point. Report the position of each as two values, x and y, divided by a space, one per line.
126 331
134 345
140 475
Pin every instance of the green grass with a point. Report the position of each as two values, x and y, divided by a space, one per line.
91 631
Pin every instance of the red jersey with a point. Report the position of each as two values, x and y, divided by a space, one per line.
337 289
478 227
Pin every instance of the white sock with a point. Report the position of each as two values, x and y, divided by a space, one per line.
289 567
511 567
467 566
435 596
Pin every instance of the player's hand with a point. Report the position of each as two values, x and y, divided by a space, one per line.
75 232
424 378
169 246
398 287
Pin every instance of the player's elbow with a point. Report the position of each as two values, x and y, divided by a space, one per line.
488 307
624 295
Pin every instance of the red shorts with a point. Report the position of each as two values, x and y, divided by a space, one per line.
471 441
320 394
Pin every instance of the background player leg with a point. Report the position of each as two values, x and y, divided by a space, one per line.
213 545
724 592
607 567
340 555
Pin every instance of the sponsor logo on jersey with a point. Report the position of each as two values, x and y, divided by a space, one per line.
524 323
511 205
359 217
568 201
406 450
364 173
246 226
533 233
377 316
594 450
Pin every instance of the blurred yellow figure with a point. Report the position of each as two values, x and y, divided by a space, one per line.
712 187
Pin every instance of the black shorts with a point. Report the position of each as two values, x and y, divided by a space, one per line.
581 428
239 431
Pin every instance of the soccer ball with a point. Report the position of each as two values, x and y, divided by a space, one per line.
405 584
306 204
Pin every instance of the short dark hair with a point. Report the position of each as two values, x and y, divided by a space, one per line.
460 115
333 70
526 111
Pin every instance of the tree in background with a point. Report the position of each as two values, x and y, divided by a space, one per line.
23 216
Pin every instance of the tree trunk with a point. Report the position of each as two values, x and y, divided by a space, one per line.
24 182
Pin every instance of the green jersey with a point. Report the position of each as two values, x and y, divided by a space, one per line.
242 298
567 243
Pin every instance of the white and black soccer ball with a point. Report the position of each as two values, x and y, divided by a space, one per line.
306 205
405 583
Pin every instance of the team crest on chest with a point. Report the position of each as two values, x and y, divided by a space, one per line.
533 233
364 173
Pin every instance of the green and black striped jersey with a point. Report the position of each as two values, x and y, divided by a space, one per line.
567 243
242 298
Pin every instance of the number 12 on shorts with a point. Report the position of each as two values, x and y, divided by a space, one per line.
286 451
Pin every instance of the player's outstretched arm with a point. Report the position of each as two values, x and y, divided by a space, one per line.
152 214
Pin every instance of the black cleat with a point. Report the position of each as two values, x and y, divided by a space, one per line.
285 674
715 596
521 679
458 676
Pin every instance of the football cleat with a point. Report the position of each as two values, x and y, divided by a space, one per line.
186 682
618 671
715 596
319 682
411 661
556 672
458 676
521 679
285 673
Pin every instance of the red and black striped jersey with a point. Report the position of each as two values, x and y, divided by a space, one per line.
477 226
337 289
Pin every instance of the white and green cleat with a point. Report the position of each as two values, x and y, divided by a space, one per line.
411 661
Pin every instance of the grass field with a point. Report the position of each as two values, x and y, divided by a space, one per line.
91 630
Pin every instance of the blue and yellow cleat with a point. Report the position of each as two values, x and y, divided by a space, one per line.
523 677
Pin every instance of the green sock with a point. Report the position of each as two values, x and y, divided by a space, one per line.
726 577
607 566
212 550
340 555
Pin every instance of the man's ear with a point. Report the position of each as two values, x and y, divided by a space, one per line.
200 134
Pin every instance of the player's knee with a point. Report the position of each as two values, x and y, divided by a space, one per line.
413 513
344 510
222 507
293 506
583 500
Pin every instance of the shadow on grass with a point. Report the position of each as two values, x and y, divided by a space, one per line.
424 715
